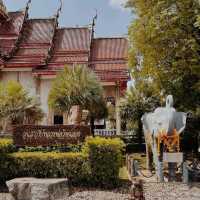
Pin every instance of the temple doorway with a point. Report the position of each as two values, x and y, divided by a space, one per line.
58 120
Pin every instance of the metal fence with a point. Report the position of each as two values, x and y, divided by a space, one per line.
105 132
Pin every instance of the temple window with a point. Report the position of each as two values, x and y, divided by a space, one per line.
58 120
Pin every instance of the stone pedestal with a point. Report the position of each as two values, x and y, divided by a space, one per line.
38 189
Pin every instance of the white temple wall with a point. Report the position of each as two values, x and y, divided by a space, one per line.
25 78
45 87
109 91
7 76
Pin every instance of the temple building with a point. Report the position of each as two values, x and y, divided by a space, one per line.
33 51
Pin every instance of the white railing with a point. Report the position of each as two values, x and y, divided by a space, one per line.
105 132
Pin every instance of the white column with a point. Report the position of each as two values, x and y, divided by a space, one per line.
65 118
117 104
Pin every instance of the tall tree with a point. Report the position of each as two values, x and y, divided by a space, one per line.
135 104
165 49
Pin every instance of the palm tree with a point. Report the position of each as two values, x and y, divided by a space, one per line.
16 106
78 86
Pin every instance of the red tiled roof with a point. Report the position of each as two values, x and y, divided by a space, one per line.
109 58
110 49
72 45
44 72
41 43
73 39
1 62
9 31
37 40
109 66
114 75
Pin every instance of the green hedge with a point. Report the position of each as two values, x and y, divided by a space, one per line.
97 164
74 166
105 159
6 146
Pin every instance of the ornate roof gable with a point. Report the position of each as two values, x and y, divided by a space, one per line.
72 45
36 42
109 58
11 32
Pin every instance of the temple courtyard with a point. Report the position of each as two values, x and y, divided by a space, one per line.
105 110
152 191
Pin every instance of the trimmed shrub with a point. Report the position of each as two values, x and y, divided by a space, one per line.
6 163
98 163
6 146
105 159
74 166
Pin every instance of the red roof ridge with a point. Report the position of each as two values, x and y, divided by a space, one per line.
67 28
41 19
112 37
17 11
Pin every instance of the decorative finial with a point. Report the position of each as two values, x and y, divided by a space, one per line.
95 18
27 9
59 9
28 4
29 1
94 23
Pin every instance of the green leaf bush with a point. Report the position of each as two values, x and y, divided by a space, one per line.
45 165
105 160
6 146
98 163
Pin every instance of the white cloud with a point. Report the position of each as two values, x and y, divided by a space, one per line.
118 3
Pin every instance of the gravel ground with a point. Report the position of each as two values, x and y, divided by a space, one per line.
4 196
86 195
98 195
171 191
153 191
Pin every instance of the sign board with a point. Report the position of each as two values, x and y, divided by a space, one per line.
33 136
173 157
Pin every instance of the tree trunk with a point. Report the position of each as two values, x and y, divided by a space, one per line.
92 125
78 116
140 133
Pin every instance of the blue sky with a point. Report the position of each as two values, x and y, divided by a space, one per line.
113 19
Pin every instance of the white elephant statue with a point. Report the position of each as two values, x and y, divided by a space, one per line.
163 119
